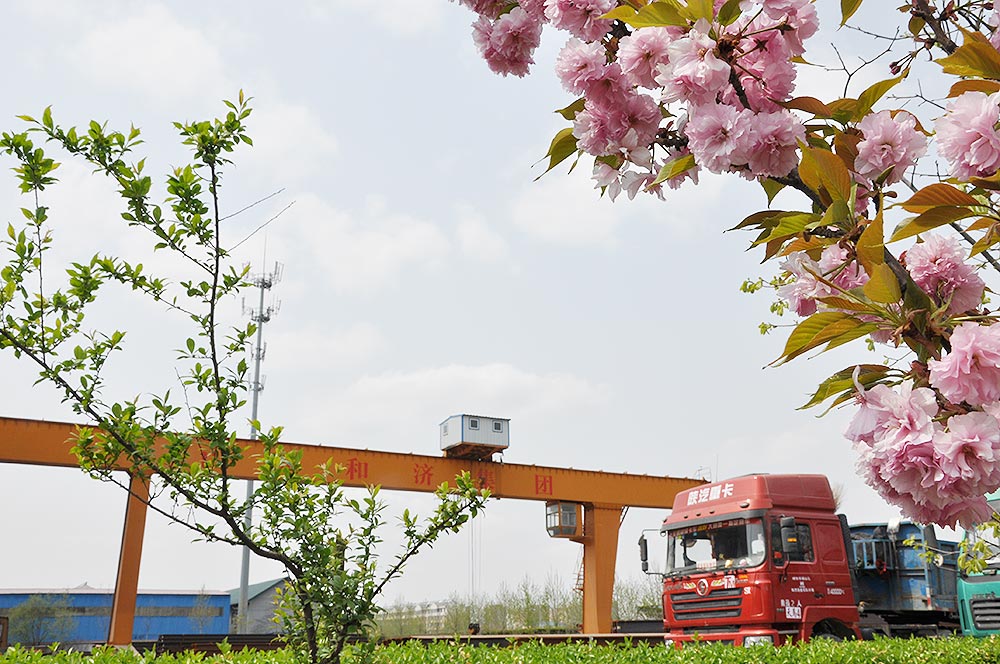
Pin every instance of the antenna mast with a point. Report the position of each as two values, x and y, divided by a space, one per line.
261 315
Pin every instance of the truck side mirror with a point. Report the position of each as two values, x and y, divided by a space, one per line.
644 553
789 537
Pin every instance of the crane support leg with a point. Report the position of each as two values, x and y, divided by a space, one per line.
127 582
600 548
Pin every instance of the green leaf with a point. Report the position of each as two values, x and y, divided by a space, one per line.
973 85
771 188
673 168
570 111
867 99
843 380
826 170
847 9
882 285
838 214
655 14
973 58
809 105
697 9
729 12
984 243
842 110
562 147
932 218
936 194
871 244
815 331
790 224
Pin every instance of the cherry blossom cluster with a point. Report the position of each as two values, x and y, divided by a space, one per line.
933 451
937 467
657 105
654 95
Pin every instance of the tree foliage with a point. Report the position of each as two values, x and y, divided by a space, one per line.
181 441
882 209
41 620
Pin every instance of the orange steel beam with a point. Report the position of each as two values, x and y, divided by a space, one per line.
600 548
127 583
602 494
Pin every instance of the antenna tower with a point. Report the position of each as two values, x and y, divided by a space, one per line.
261 315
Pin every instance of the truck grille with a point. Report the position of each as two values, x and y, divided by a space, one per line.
986 613
721 603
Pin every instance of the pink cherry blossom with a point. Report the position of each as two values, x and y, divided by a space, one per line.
595 128
938 266
581 18
773 143
717 136
801 293
535 9
994 21
940 479
488 8
507 44
579 65
970 372
935 474
640 53
893 419
611 90
607 179
693 72
764 63
968 457
799 15
834 264
642 115
890 142
967 136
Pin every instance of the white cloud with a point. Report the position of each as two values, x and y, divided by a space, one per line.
477 239
565 209
406 17
402 408
150 51
349 346
360 253
289 140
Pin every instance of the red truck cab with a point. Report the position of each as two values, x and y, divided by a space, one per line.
757 559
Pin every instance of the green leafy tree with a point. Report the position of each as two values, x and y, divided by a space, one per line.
325 537
41 620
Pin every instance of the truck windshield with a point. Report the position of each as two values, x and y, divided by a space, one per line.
722 545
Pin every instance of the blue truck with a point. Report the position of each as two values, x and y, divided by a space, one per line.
905 580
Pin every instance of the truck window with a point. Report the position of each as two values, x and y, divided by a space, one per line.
804 535
726 544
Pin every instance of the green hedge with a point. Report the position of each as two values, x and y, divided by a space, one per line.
883 651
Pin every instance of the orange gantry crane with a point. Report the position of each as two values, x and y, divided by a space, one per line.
600 497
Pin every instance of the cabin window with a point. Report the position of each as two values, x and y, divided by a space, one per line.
804 535
444 428
473 423
498 427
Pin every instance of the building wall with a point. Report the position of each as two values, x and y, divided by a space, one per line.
260 613
156 613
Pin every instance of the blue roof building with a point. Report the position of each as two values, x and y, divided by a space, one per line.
82 616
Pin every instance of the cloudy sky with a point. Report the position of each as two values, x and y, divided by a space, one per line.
426 273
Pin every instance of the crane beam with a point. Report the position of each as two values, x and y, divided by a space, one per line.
602 494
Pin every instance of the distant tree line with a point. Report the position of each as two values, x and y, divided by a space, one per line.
530 607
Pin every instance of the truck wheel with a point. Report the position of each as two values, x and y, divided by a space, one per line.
827 636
